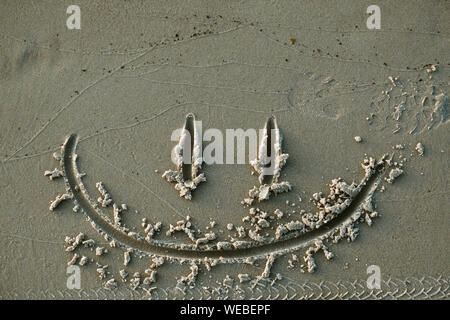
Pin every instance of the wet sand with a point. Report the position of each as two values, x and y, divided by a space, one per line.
129 77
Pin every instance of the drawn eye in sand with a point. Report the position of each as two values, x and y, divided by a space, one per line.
263 237
269 163
188 160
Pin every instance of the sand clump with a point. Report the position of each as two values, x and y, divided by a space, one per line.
105 199
183 226
189 280
99 251
150 229
54 174
60 198
72 243
394 174
420 149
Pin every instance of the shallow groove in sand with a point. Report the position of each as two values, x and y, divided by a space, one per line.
293 242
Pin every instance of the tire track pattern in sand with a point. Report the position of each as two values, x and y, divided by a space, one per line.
424 288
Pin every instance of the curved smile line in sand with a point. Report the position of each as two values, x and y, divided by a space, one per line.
292 242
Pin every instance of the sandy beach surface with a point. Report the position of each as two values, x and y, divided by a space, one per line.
133 71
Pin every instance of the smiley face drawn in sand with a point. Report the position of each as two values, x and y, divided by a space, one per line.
337 218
